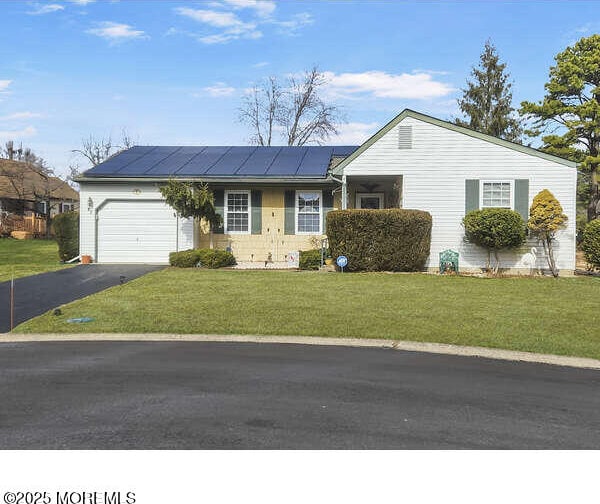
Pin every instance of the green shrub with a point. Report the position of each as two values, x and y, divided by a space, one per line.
591 243
380 240
66 232
310 259
207 258
213 258
184 259
494 229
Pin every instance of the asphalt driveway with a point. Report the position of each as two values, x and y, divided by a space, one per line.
37 294
191 395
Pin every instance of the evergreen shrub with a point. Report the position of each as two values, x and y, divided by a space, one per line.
206 258
591 243
66 232
380 240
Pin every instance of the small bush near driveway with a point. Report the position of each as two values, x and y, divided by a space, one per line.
207 258
66 232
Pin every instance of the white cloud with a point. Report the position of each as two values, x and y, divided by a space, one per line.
224 16
413 86
28 131
261 7
4 85
233 27
17 116
81 2
354 133
292 25
260 64
45 9
116 32
219 90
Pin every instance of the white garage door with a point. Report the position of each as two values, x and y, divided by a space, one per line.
136 232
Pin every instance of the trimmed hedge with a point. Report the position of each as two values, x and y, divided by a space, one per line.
66 232
494 228
310 259
207 258
591 242
380 240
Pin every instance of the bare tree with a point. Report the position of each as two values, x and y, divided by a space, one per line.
97 150
261 110
297 111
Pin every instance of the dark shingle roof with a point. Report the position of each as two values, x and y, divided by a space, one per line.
235 162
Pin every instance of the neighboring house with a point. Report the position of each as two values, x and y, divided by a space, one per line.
274 199
25 190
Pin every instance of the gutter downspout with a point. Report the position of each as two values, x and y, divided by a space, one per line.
344 190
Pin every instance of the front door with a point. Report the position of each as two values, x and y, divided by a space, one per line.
369 201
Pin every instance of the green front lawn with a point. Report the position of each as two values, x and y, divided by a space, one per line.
532 314
27 257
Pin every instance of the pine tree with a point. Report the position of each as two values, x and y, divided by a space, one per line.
570 115
487 100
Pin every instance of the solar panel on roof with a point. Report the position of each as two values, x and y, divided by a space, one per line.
244 161
116 163
142 165
201 163
315 162
344 150
259 161
230 162
175 161
287 161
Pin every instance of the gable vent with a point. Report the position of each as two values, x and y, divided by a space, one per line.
404 137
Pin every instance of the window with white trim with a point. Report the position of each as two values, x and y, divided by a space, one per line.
67 207
496 194
309 212
237 212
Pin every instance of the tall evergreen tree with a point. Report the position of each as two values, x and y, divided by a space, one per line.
570 114
486 102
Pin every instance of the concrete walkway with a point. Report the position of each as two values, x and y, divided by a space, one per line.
411 346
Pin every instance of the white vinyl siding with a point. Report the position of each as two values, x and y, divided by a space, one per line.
309 212
237 212
433 179
496 194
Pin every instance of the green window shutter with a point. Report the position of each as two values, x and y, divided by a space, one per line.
256 204
522 198
327 206
220 208
471 195
289 200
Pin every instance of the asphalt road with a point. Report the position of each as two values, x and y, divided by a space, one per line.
180 395
37 294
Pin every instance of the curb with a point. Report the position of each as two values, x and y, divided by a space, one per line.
409 346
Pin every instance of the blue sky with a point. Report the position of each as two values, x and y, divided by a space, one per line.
174 73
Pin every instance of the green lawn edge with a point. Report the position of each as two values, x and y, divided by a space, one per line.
541 315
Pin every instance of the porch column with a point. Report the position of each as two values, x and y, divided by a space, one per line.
344 193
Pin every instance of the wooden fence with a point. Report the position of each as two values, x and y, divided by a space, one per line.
29 223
